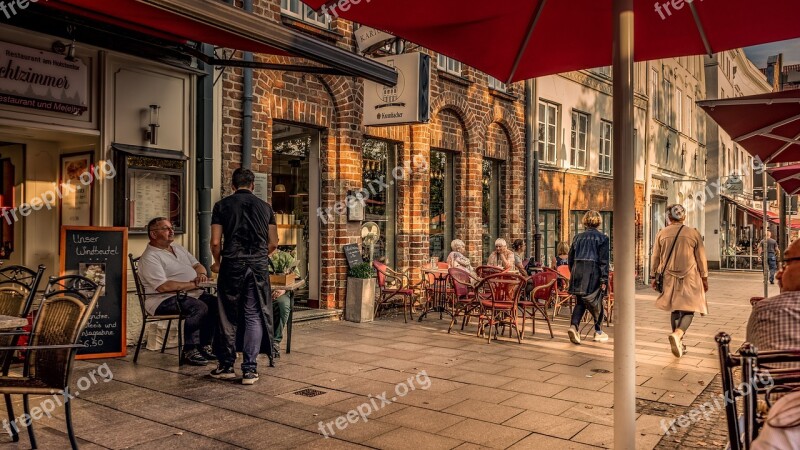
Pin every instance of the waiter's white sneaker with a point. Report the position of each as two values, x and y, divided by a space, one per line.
599 336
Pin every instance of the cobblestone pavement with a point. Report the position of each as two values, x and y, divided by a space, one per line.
458 391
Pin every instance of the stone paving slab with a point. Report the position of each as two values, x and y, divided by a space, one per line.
543 393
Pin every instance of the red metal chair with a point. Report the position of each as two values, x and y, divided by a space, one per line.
501 307
542 295
485 271
393 286
464 302
562 292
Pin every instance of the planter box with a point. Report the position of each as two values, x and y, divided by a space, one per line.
360 303
282 279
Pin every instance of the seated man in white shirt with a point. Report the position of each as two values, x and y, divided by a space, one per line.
167 267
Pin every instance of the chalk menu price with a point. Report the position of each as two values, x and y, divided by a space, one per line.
99 254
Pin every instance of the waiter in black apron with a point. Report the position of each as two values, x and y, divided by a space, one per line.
250 234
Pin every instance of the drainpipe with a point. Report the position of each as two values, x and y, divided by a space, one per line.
247 104
205 156
532 241
647 214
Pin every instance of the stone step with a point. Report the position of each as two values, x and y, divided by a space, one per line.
302 314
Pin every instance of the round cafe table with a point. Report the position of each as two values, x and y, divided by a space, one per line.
11 322
438 301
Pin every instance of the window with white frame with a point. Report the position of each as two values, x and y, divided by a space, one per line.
449 65
605 146
679 109
668 116
301 11
580 134
654 95
548 132
497 85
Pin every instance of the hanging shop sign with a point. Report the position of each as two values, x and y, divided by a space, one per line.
409 100
368 39
32 78
734 185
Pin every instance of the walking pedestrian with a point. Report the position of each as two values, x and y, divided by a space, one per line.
588 265
250 234
770 246
679 258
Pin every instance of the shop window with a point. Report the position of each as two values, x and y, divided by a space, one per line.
152 183
441 203
378 160
490 206
7 182
549 226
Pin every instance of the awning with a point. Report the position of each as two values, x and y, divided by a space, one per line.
788 177
765 125
222 25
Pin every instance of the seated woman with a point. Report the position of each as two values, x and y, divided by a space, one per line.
501 257
518 246
456 257
562 258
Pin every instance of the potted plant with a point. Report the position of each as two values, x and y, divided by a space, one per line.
360 302
284 265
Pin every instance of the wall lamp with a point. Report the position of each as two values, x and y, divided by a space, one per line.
151 133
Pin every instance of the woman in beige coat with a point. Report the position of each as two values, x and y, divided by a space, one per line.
685 277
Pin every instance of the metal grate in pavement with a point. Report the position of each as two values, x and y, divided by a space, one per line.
309 392
600 371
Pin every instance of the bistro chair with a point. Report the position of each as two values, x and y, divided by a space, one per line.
563 297
608 301
464 300
18 287
500 308
542 295
150 318
395 288
485 271
63 315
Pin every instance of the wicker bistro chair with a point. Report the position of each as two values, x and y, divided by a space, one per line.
500 308
150 318
18 287
63 315
394 287
485 271
464 300
542 295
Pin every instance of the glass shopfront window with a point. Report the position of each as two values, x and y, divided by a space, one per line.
549 225
378 160
441 203
490 206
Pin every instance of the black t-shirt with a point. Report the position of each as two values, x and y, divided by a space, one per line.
245 221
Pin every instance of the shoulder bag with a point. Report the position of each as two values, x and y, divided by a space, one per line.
660 275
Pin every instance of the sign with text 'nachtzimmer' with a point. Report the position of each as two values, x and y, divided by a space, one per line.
32 78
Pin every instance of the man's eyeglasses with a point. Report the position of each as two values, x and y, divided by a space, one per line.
162 229
786 261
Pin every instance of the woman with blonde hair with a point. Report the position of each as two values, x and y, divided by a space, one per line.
588 266
562 255
679 260
456 257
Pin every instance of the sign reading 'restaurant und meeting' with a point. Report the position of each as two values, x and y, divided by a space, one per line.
409 100
32 78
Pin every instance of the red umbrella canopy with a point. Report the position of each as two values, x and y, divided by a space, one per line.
520 39
788 177
766 125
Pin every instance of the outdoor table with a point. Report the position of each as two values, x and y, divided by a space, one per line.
11 322
290 288
439 301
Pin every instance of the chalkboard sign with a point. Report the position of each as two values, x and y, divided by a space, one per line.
353 254
99 253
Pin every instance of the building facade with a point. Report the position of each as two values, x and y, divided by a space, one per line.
733 220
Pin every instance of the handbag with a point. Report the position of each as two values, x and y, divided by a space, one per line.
660 275
594 302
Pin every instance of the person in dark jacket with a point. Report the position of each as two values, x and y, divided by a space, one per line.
243 234
588 266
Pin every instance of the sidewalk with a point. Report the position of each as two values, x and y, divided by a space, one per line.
545 393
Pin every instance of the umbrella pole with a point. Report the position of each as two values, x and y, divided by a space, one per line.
765 222
624 230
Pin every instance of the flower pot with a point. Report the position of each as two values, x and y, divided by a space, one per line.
282 280
360 303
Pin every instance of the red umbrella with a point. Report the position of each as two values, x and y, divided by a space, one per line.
766 125
521 39
788 177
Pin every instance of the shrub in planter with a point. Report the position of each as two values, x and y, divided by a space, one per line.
360 303
284 265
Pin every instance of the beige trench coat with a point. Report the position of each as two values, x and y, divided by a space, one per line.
683 279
